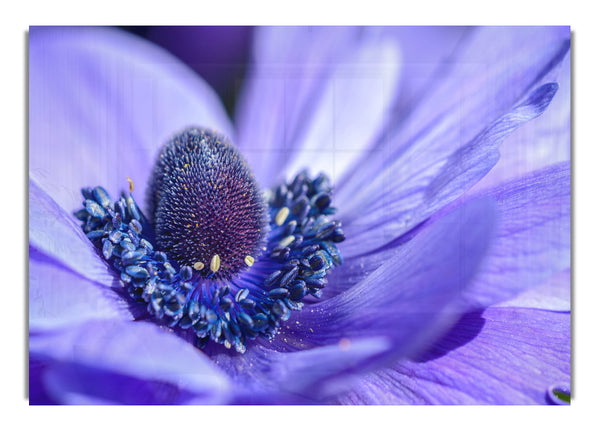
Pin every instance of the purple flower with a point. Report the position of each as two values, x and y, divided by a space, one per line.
456 276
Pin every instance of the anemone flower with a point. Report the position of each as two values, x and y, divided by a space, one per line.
414 260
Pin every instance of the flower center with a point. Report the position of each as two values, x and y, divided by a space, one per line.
207 210
215 258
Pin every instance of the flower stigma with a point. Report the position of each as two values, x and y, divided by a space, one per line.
215 255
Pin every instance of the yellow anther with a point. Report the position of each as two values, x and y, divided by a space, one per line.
215 263
130 184
198 266
287 241
249 260
282 215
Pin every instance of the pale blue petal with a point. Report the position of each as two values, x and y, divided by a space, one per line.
543 141
503 356
429 162
316 98
531 245
266 376
124 353
411 297
56 233
553 294
60 297
533 241
101 103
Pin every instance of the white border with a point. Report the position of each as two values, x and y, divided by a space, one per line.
15 22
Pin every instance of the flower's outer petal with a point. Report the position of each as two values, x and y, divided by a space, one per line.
267 376
125 362
316 98
37 393
352 108
428 163
427 55
289 65
533 240
59 297
531 244
543 141
411 297
392 212
473 59
56 234
553 295
503 356
397 311
374 236
102 102
76 384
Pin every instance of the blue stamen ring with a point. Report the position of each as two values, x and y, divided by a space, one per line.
245 263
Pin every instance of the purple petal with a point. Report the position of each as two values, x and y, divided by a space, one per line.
290 64
266 376
398 310
110 361
429 162
59 297
412 296
542 142
533 240
552 295
37 393
388 214
427 54
352 108
392 212
56 234
101 103
316 90
531 244
503 356
496 61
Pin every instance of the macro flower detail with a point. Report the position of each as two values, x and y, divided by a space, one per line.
204 202
214 271
384 218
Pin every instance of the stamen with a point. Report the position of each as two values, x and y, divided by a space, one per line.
215 263
281 216
257 274
287 241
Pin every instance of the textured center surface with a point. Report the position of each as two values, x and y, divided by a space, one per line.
205 202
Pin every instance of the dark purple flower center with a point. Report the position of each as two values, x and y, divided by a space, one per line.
208 222
206 207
